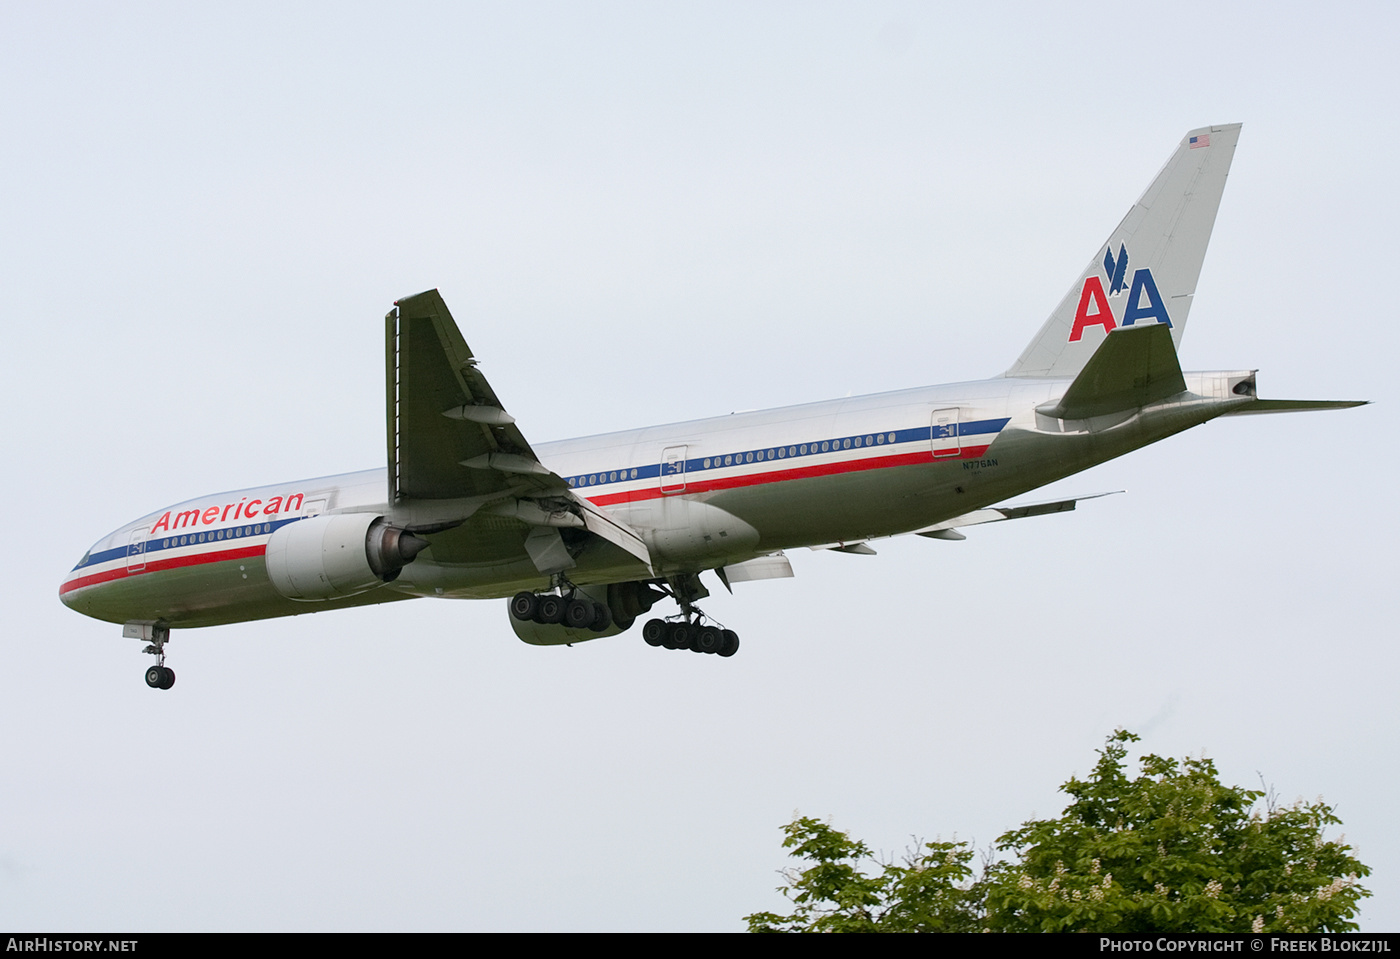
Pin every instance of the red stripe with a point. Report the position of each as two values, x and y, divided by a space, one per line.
605 499
155 566
782 475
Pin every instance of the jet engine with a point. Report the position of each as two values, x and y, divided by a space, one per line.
338 555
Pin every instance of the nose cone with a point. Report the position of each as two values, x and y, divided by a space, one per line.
81 589
66 595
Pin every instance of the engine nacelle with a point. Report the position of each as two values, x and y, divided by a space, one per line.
338 555
626 601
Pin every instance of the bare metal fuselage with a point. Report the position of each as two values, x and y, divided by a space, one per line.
608 524
738 487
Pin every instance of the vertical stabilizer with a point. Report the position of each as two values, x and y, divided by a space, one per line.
1146 271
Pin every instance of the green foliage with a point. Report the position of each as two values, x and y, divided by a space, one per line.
1171 850
928 892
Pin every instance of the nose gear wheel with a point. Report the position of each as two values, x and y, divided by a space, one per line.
159 676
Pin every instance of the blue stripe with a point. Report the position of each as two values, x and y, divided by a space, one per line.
162 543
920 434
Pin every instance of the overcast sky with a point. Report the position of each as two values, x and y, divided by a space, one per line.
642 213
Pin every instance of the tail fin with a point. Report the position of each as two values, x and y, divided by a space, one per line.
1147 270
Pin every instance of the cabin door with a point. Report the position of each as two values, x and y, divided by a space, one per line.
673 469
136 551
947 441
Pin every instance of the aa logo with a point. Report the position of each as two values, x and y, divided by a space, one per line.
1144 302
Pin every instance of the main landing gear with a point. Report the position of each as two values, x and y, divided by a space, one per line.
571 609
694 636
159 676
691 632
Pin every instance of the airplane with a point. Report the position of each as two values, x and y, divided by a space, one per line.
586 535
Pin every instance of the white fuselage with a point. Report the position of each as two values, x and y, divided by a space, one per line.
702 495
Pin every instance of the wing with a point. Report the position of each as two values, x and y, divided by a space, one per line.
456 458
948 529
449 437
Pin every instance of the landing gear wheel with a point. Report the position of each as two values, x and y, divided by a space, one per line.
523 606
707 640
551 610
160 677
579 614
730 644
602 617
681 635
654 632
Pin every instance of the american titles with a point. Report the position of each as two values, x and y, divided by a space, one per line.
213 515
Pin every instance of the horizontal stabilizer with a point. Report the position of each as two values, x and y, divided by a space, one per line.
1133 367
997 514
1295 406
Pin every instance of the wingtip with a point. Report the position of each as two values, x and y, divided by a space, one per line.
411 296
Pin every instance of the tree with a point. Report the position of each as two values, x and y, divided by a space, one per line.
927 893
1172 850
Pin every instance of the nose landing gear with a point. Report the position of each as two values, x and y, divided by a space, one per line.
159 676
